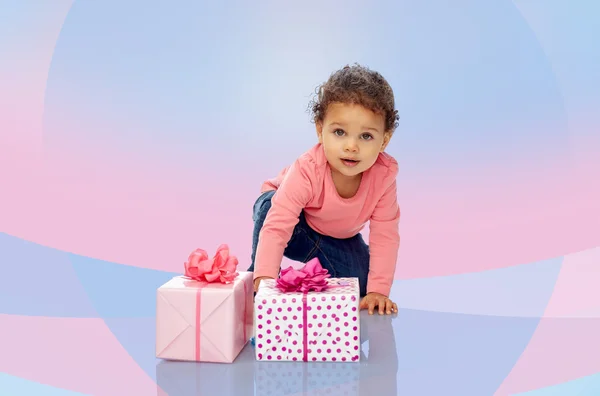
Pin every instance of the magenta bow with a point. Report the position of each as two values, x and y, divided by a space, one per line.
310 278
220 268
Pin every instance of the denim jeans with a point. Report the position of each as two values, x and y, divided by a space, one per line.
341 257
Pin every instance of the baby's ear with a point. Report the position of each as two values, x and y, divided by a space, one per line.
386 139
319 128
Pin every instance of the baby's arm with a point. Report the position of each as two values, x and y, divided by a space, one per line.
291 197
384 242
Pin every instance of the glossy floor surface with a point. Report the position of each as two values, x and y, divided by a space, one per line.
74 325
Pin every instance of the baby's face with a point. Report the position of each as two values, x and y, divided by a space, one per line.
352 137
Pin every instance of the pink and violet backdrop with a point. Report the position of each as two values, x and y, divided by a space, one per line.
133 133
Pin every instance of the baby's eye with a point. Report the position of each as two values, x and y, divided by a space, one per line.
339 132
367 136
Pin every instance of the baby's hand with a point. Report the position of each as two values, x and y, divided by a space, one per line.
372 300
257 281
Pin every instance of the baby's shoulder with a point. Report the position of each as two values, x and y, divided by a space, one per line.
308 169
385 168
312 161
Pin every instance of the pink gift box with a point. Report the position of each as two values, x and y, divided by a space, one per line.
316 326
200 321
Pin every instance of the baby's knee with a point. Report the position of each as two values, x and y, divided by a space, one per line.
262 207
263 210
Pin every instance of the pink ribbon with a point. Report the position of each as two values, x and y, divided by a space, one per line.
219 269
312 277
305 327
198 316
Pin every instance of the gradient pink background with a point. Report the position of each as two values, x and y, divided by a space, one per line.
100 179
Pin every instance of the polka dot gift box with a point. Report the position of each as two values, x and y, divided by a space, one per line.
307 316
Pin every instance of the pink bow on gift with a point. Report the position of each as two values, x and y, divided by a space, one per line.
310 278
220 268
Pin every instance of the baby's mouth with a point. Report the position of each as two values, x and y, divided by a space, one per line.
350 162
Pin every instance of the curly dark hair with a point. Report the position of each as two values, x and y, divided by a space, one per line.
356 84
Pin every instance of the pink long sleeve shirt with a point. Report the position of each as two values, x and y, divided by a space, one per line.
308 185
